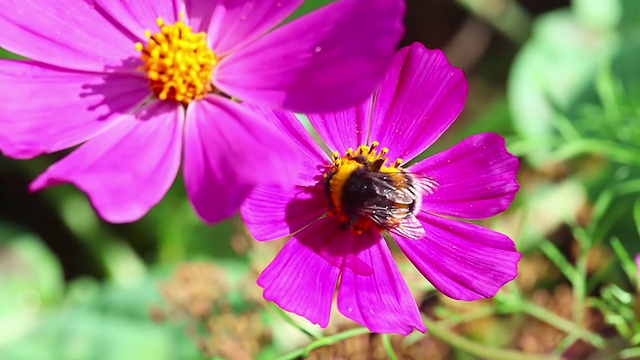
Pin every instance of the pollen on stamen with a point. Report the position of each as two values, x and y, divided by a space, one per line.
178 63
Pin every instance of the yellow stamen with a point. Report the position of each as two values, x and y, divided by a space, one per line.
178 62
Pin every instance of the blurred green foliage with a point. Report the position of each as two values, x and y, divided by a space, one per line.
574 94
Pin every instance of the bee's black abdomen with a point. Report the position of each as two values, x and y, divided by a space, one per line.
359 192
358 189
411 185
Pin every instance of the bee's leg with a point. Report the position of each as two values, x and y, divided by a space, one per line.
361 159
377 165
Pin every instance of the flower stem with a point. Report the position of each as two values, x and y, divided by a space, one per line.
561 323
325 341
474 348
612 150
291 322
507 16
386 342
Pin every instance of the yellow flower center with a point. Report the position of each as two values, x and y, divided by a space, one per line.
177 62
349 185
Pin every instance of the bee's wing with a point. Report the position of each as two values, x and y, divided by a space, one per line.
425 184
404 189
409 228
393 187
399 221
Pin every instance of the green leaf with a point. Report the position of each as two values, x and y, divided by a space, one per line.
552 73
547 206
97 321
601 14
636 215
307 7
78 333
30 280
4 54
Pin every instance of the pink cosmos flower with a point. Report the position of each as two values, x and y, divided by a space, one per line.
139 82
343 204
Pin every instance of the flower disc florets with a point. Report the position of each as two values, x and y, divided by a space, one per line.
178 63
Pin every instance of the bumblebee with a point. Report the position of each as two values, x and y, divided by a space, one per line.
363 192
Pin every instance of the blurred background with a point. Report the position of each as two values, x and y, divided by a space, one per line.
559 79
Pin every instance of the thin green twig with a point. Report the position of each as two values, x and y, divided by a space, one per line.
480 313
458 341
627 263
507 16
386 342
566 343
556 256
561 323
636 215
613 151
579 282
630 353
325 341
291 322
628 187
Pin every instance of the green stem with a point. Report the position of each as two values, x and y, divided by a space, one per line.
559 260
579 283
325 341
628 187
630 353
561 323
626 261
507 16
471 347
386 342
609 149
566 343
291 322
523 147
481 313
636 215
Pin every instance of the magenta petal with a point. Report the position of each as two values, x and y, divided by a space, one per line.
381 300
70 35
477 178
228 152
313 159
140 15
464 261
46 109
232 24
128 169
419 99
306 64
345 129
299 279
272 212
